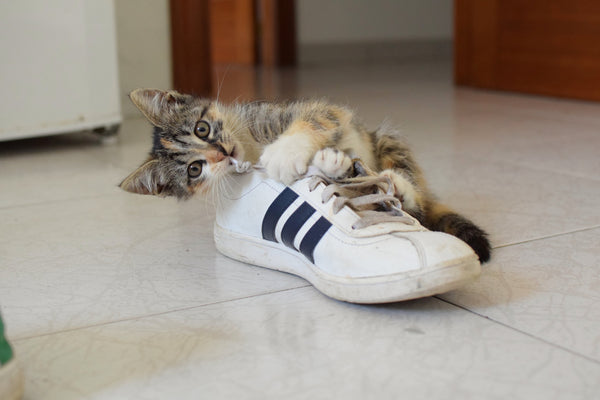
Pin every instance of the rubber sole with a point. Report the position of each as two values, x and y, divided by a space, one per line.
381 289
11 381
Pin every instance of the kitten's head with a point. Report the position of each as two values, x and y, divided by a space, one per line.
193 144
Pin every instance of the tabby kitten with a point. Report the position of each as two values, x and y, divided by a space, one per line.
195 140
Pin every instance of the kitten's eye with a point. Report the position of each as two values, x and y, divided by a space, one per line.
202 129
195 169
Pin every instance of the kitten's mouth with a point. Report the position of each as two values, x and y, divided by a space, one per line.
233 156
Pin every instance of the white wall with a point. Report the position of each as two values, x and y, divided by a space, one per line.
144 46
344 21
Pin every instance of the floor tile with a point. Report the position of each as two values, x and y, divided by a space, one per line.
511 202
69 166
561 136
81 262
546 288
299 344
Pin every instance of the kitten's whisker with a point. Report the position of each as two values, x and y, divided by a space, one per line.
236 129
221 83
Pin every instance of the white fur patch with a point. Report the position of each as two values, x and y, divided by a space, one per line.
333 163
288 157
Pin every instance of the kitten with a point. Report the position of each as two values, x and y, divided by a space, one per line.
195 140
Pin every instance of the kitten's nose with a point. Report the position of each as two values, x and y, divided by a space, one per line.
214 156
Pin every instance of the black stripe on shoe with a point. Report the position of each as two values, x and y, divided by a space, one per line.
275 211
313 237
294 223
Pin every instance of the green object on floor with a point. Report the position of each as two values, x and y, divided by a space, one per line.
6 353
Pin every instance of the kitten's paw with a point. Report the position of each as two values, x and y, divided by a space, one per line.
404 189
242 167
287 158
334 163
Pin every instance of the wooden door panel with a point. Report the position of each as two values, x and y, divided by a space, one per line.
207 34
233 31
277 44
535 46
191 46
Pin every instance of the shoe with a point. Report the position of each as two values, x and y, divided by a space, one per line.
359 247
11 377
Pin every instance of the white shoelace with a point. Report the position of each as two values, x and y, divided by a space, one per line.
241 167
370 195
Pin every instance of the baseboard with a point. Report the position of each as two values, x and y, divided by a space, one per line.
366 52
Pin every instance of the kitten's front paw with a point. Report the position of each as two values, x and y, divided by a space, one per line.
334 163
287 159
404 189
242 167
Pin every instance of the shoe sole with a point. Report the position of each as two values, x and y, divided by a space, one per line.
372 290
11 381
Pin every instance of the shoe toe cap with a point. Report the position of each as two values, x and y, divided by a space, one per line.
438 249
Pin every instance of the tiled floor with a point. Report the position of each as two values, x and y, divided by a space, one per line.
114 296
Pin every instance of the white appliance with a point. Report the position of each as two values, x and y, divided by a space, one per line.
58 67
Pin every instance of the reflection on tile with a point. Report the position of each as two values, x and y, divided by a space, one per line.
83 262
532 107
299 344
547 288
555 135
69 166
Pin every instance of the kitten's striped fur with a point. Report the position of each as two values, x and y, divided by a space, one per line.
284 137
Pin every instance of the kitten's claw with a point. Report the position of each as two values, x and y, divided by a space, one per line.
333 163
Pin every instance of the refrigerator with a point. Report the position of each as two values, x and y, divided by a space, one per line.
58 68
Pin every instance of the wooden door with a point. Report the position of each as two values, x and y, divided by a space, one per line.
191 47
547 47
207 34
233 31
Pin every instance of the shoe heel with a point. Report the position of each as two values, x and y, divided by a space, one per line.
262 253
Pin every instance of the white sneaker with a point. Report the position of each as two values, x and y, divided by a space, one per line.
308 230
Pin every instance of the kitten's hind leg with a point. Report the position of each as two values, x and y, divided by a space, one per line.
408 194
332 162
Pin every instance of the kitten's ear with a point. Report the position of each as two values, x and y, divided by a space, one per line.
157 105
147 179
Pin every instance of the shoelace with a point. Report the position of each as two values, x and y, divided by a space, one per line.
371 196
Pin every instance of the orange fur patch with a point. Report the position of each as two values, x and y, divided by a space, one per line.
319 138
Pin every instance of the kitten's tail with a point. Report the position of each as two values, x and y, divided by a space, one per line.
393 153
438 217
